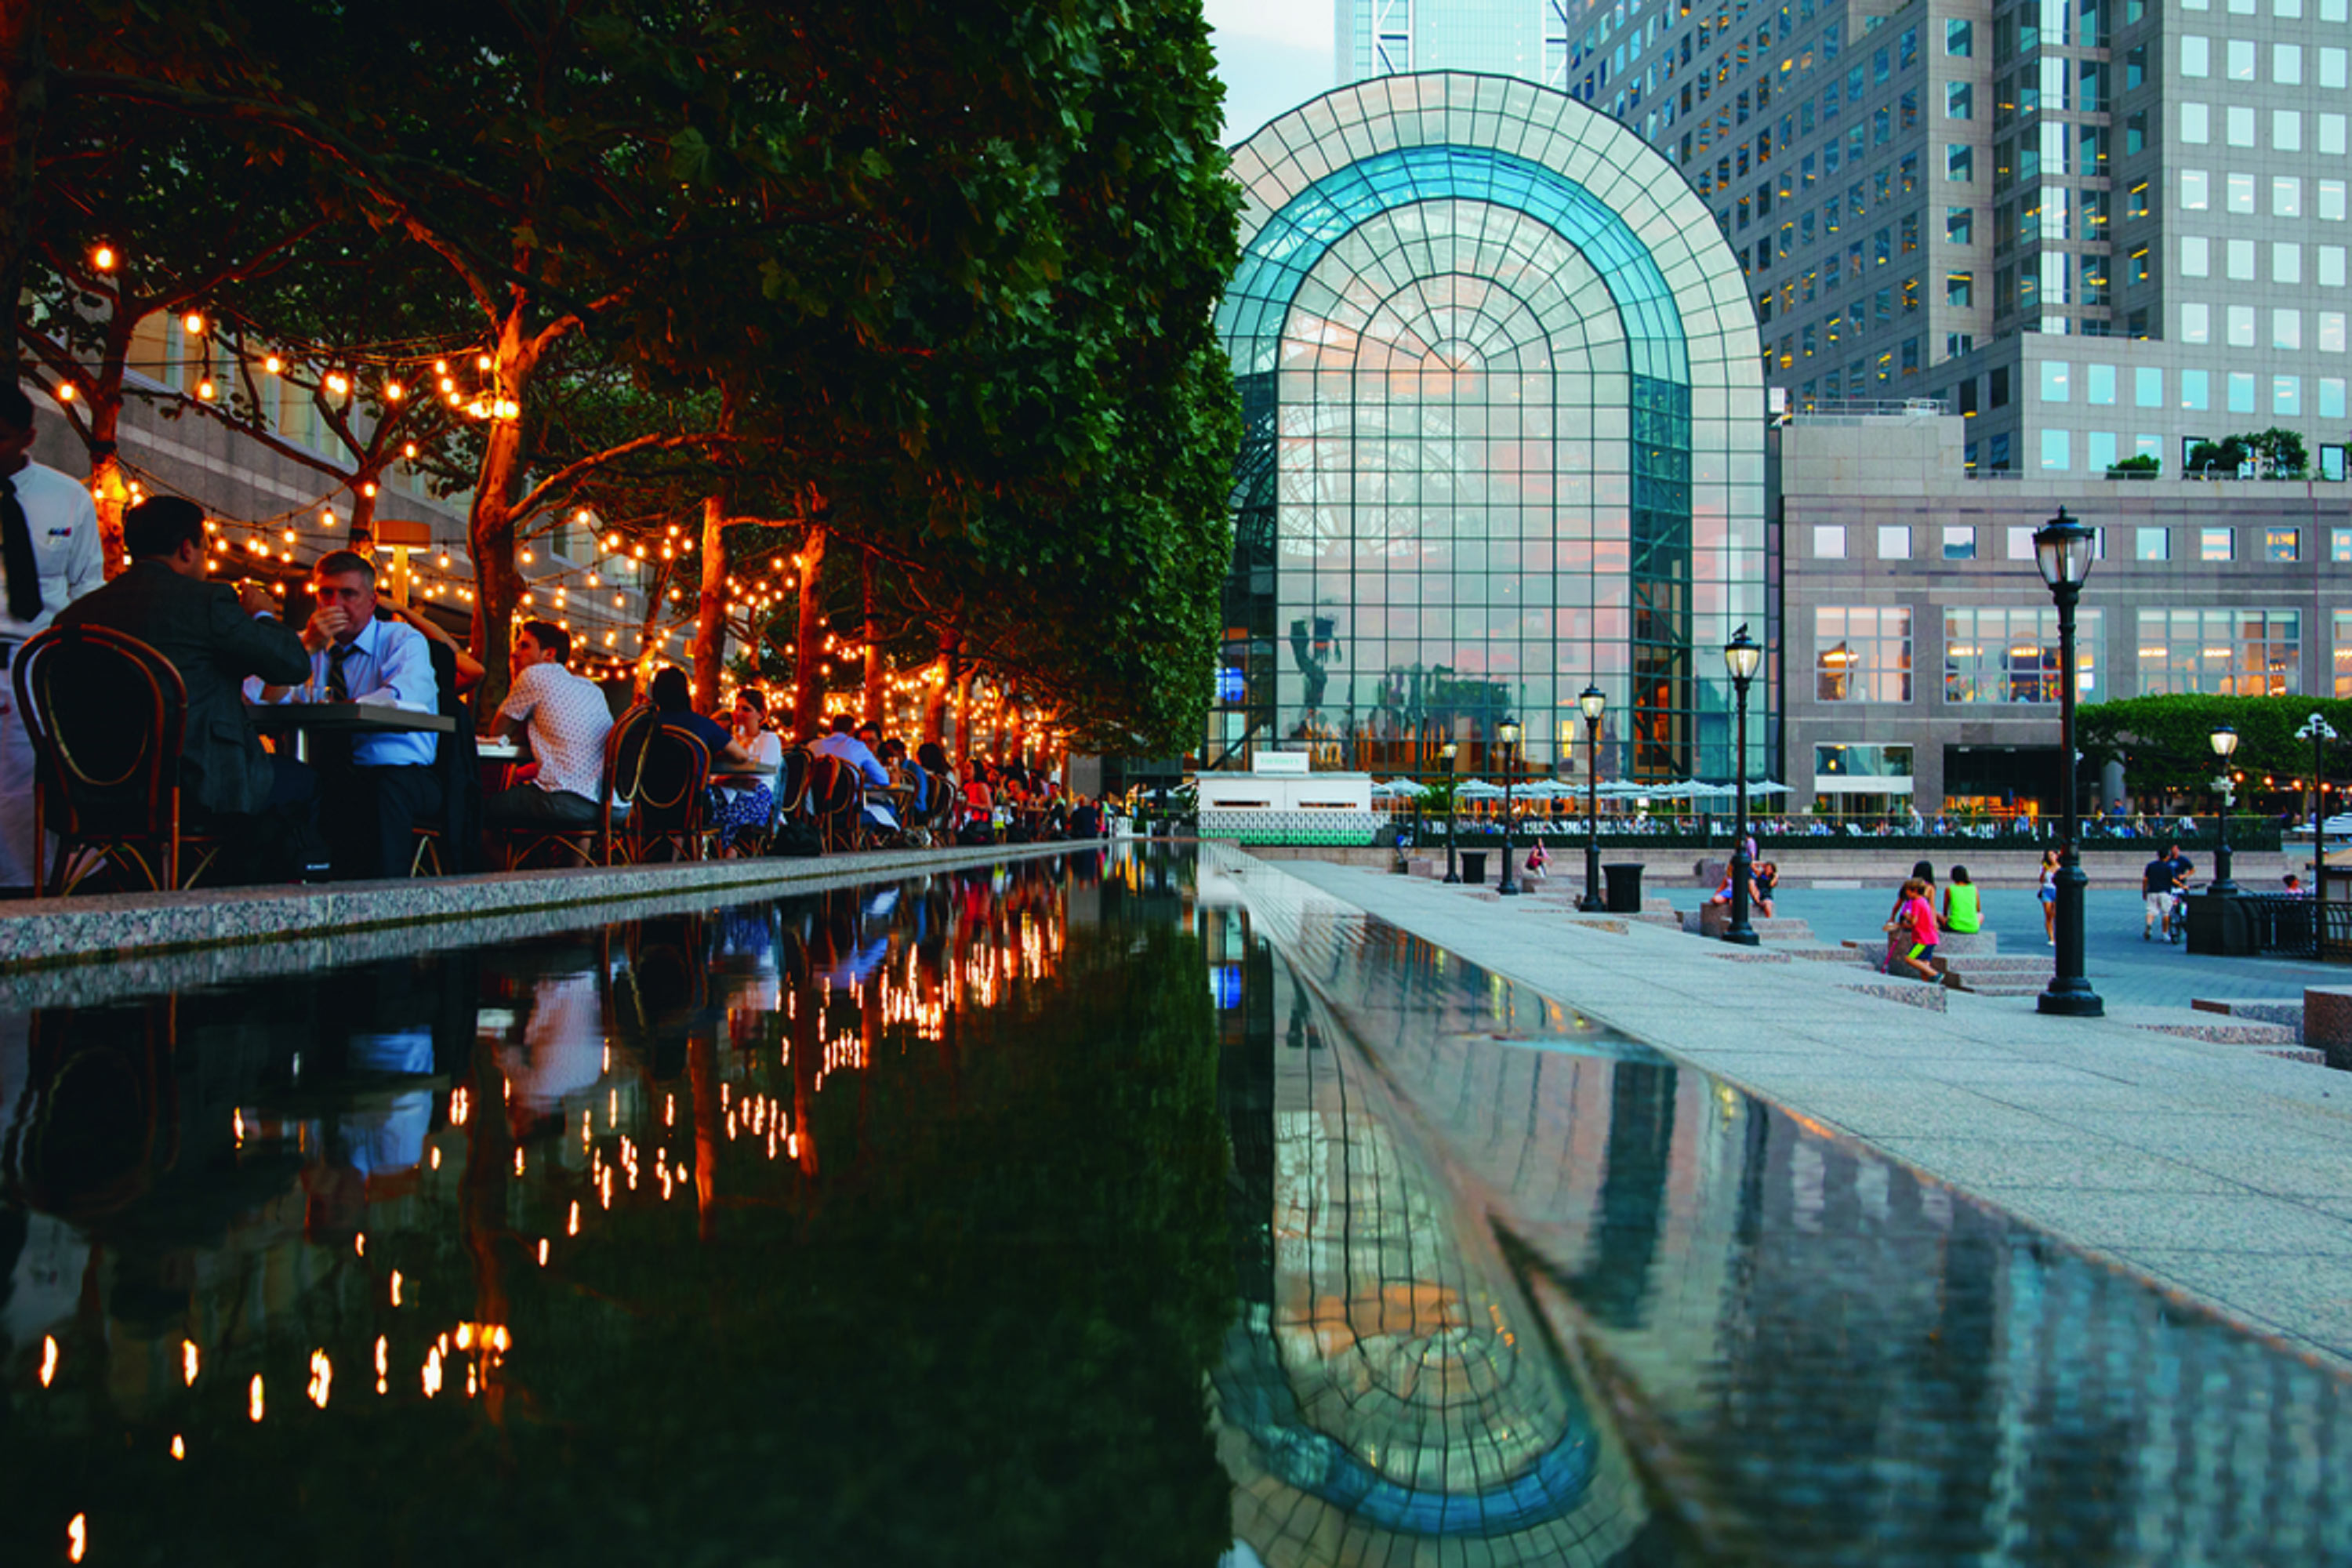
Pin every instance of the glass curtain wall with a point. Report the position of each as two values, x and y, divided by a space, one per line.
1503 439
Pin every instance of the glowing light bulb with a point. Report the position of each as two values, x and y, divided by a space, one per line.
272 364
49 1359
103 257
193 323
205 392
254 1404
393 392
64 392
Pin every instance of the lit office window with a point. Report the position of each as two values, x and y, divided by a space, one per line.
2005 656
1862 655
2224 653
2281 544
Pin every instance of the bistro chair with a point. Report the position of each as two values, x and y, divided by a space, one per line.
590 845
837 801
106 713
791 789
662 775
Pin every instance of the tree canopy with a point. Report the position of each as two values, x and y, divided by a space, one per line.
2164 742
933 283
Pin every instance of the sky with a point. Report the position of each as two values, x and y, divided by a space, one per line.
1272 55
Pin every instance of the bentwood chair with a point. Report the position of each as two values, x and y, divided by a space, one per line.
106 713
837 801
661 774
589 845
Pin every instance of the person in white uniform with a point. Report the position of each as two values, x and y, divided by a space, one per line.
50 556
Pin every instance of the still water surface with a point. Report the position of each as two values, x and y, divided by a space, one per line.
1108 1208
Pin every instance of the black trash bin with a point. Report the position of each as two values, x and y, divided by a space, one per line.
1624 888
2217 926
1473 868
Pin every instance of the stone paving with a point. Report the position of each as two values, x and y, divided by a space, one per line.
2216 1171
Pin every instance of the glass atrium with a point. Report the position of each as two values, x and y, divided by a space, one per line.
1504 439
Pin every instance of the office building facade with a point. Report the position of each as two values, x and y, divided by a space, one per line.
1922 645
1505 425
1925 197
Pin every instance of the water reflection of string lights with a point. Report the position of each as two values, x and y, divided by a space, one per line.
530 1159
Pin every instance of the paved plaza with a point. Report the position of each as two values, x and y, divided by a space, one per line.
2222 1172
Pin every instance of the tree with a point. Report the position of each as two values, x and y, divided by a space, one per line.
2135 467
2163 741
2224 458
2278 453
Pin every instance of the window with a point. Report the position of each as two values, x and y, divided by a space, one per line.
2221 653
1895 542
2217 543
2152 544
2343 672
1959 100
2196 190
1959 287
2238 126
2196 124
2286 263
2240 255
1862 655
2339 545
2196 56
2241 392
1851 762
2056 457
2241 56
2196 323
1960 543
2099 383
1828 541
2281 544
2286 395
2287 198
2286 328
1960 40
1960 163
2196 255
2148 388
2238 193
2054 380
2005 655
2287 65
2195 389
1960 225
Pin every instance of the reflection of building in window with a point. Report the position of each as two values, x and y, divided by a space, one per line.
1863 655
2344 653
1859 762
1860 780
2011 655
2229 653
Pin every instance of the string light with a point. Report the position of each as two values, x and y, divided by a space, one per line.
103 258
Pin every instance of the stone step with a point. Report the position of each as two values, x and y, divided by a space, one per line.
2265 1010
2236 1032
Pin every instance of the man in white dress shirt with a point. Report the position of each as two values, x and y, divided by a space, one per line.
50 556
374 790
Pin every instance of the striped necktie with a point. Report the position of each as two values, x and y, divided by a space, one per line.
339 686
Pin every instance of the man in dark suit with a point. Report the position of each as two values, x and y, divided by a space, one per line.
165 600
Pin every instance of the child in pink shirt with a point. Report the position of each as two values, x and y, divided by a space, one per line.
1915 912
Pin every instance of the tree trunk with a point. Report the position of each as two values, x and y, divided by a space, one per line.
710 604
490 527
808 643
963 725
873 697
24 102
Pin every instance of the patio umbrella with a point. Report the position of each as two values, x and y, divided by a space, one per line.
1479 789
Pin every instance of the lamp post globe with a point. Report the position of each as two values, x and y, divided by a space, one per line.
2063 550
1507 733
1449 752
2224 741
1593 703
1742 655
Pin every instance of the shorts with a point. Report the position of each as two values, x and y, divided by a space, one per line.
2048 895
2159 905
1921 952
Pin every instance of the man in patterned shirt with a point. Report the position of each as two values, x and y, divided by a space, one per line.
564 719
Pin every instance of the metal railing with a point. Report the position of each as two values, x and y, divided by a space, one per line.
2283 926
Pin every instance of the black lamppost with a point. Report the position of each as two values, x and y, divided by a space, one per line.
2319 732
1594 704
1741 655
1507 733
2225 741
2063 550
1448 751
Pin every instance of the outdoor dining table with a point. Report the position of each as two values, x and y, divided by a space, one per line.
303 720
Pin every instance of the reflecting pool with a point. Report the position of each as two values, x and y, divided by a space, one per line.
1112 1207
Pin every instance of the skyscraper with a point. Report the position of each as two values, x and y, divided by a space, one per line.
1926 199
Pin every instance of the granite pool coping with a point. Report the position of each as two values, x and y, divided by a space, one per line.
109 930
2218 1174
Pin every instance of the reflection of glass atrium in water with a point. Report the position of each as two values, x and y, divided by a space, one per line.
1504 438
